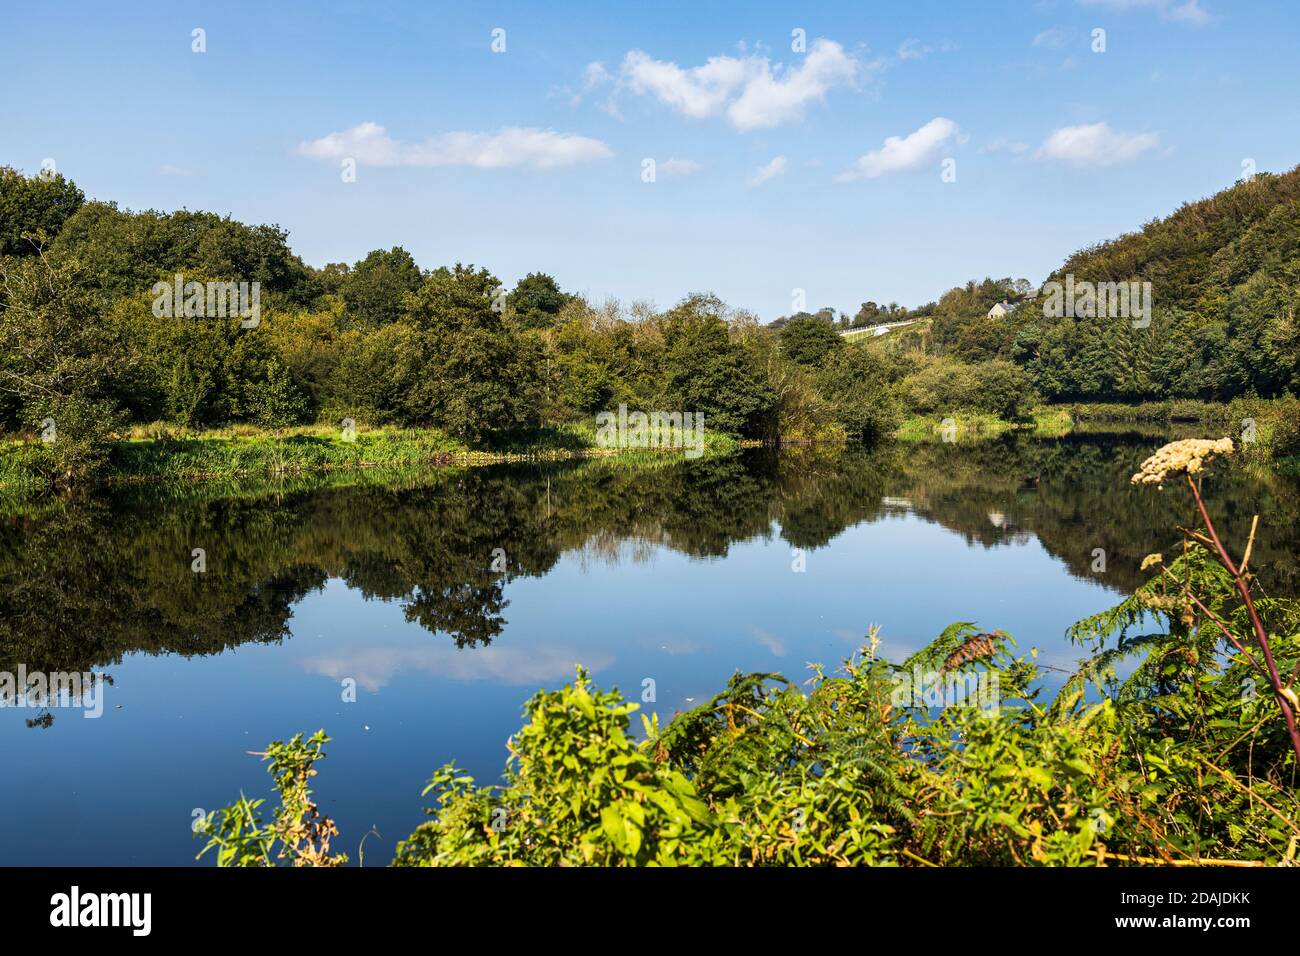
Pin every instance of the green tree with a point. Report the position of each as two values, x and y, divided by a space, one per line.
808 340
35 206
856 382
119 253
705 371
1003 389
470 375
376 288
59 366
939 385
261 387
197 371
598 365
868 314
536 301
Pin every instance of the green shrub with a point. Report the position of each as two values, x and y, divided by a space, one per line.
578 791
855 381
298 833
1003 389
939 385
807 340
998 387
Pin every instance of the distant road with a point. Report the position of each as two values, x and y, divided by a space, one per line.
880 329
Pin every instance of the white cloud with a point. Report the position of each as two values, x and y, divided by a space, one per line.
913 49
698 92
167 169
905 152
770 100
595 75
374 668
750 90
370 145
769 171
1095 145
679 167
1181 11
1053 38
769 640
1189 12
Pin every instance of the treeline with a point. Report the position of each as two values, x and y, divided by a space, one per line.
89 352
1225 283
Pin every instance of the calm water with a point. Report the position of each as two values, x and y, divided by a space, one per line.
681 574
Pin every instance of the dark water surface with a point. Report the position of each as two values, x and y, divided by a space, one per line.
681 573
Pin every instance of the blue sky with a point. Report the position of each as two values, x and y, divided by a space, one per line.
776 169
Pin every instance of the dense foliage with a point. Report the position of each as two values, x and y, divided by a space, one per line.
382 341
1225 280
1225 284
386 342
33 210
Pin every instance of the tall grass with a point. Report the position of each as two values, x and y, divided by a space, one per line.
236 460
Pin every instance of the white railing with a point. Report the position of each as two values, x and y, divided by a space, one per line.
880 329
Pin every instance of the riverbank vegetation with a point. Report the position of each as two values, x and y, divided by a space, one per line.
978 426
1221 347
451 361
1174 743
381 343
247 452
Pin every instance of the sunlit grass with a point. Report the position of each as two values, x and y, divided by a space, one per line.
230 460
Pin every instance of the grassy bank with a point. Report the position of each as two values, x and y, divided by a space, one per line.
970 426
229 455
1267 431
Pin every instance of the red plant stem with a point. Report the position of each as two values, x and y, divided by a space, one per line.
1226 633
1260 634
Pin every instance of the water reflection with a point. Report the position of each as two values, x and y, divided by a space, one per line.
82 585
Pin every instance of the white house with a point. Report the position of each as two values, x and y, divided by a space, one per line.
1005 308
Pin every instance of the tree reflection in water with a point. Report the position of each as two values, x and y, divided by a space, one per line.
83 583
